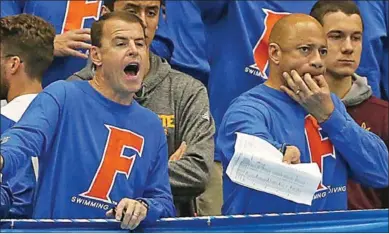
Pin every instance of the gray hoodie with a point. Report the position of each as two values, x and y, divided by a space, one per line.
359 92
182 104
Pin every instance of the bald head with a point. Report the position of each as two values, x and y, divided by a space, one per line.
297 42
295 25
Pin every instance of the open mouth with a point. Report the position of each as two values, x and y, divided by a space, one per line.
132 69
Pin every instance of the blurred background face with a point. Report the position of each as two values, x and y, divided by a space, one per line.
123 55
304 50
344 40
148 11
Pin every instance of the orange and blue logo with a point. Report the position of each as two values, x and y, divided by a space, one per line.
260 52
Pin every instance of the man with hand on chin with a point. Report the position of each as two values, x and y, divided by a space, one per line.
94 131
297 112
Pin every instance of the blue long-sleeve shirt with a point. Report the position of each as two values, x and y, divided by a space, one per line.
237 34
16 199
340 147
92 153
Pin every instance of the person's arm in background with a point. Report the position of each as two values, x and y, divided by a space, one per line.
188 35
365 152
33 133
70 42
65 44
189 174
374 59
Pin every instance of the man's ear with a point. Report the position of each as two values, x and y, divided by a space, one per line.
14 64
275 53
95 55
104 10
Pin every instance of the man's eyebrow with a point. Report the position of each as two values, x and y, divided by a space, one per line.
320 46
312 45
335 31
341 32
155 7
140 39
305 44
131 5
120 38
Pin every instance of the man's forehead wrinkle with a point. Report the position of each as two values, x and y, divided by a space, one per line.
119 31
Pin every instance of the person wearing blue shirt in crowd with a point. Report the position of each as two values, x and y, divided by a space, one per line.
94 136
237 35
295 111
182 104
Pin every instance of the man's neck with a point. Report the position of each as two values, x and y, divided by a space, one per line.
275 81
33 86
340 86
101 86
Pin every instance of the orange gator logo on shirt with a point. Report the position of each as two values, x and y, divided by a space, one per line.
260 51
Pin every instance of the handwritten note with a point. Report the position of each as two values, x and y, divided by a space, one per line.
258 165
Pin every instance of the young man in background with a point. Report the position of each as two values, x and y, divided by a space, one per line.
343 27
26 51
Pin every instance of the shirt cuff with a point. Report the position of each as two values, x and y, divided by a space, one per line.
335 123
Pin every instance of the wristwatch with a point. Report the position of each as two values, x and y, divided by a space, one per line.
143 203
283 148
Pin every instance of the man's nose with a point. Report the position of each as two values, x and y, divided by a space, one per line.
347 47
132 49
317 60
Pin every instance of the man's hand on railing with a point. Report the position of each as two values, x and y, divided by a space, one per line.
129 212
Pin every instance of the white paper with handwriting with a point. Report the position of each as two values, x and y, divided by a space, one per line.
258 165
